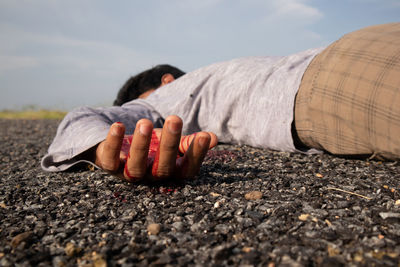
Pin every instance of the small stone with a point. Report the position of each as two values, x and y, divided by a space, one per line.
253 195
358 257
59 261
319 175
5 262
3 205
70 250
304 217
287 261
214 194
18 239
333 251
153 229
238 237
222 228
98 260
247 249
397 203
386 215
179 226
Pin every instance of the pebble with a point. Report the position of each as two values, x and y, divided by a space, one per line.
71 250
386 215
59 261
304 217
154 229
247 249
99 260
287 261
178 226
18 239
253 195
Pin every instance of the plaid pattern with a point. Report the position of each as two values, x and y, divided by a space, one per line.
349 98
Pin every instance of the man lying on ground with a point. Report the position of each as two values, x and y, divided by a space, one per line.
342 99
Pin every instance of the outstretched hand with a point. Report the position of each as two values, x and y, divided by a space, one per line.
153 154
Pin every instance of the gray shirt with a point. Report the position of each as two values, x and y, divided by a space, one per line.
243 101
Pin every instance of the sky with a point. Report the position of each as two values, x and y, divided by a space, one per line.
64 54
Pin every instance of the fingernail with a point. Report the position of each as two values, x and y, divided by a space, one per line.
174 127
117 129
145 129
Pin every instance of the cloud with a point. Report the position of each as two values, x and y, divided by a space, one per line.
32 50
91 46
387 3
286 12
296 9
14 62
195 5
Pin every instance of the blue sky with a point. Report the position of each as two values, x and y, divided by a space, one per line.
63 54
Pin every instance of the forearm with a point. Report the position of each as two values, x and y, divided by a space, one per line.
83 128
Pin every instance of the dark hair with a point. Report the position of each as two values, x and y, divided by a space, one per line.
144 81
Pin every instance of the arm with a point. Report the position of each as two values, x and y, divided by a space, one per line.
84 128
85 135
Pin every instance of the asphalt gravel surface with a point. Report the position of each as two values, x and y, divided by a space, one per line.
248 207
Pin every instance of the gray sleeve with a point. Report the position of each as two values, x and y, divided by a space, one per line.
85 127
243 101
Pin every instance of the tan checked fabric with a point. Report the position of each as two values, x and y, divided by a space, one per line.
349 98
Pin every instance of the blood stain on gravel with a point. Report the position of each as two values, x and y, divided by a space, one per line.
119 196
155 190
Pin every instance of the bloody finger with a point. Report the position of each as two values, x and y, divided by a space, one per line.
136 164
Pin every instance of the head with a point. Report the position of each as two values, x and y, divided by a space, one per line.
144 83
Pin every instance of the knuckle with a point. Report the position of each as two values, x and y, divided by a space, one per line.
140 147
169 146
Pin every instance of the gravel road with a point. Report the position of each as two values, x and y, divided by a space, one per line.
248 207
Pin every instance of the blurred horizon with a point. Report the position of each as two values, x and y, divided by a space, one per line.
63 54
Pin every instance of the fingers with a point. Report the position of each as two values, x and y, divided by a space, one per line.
165 161
194 156
168 142
108 151
188 139
136 165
